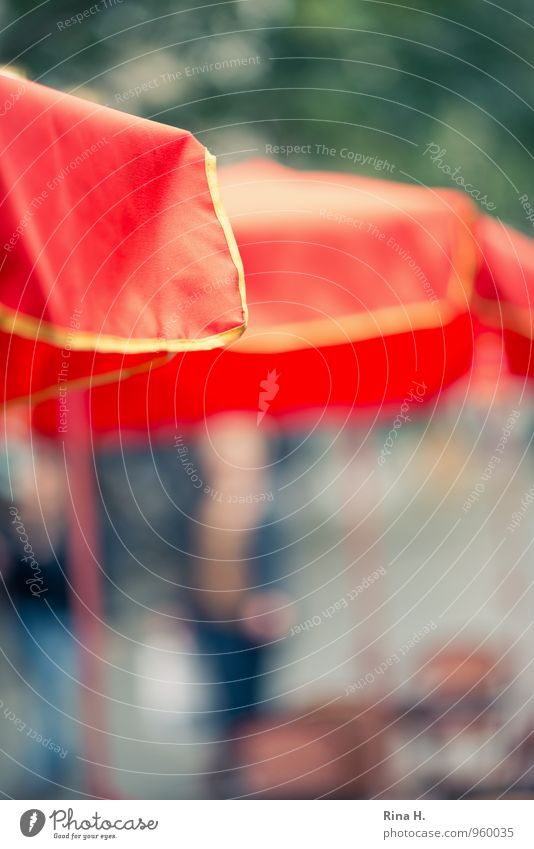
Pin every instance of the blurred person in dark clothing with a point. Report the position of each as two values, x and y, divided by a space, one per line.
238 613
34 595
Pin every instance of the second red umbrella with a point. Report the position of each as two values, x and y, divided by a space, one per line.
358 291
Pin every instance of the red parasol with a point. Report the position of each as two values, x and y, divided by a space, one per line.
358 291
505 290
108 224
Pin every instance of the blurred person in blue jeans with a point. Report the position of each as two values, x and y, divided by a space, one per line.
239 614
36 607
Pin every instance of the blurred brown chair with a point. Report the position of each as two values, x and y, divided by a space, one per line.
332 751
454 673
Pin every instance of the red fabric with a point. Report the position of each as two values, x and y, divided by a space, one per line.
505 290
110 241
357 289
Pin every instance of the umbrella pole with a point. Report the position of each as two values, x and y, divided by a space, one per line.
86 592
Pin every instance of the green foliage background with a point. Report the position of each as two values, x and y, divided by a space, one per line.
381 78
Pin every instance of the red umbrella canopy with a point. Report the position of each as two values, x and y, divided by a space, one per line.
505 290
109 224
358 291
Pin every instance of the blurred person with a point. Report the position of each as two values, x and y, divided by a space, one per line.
237 616
35 599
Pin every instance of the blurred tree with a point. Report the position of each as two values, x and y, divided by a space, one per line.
377 78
